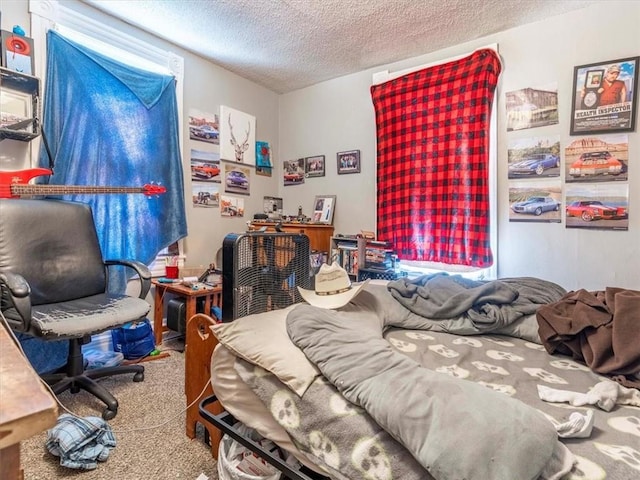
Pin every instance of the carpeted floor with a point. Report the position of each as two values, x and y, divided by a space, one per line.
149 430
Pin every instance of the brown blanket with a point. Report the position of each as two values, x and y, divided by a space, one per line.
600 328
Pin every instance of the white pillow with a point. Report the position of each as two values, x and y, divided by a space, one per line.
262 339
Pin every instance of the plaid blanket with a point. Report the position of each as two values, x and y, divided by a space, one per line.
433 160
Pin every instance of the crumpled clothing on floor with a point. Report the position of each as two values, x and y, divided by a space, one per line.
80 442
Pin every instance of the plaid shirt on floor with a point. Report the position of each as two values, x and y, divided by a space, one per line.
80 442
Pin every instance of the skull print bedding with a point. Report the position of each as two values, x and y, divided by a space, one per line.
398 398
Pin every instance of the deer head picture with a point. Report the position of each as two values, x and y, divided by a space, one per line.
237 136
239 148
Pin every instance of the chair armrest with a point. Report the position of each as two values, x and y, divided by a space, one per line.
143 272
18 296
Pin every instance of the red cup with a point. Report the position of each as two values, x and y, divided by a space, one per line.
171 271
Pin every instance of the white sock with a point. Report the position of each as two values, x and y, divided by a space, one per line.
578 425
561 396
605 395
626 396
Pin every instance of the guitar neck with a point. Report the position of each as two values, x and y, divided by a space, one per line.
69 189
14 184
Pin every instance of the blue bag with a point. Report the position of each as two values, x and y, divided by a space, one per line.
134 340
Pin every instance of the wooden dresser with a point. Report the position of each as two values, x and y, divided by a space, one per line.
319 233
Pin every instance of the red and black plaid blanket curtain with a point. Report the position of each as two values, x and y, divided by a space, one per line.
433 161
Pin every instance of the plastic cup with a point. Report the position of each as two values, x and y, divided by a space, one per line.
171 271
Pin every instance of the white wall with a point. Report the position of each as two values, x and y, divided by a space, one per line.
338 115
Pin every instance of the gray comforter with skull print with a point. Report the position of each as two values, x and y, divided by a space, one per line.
455 429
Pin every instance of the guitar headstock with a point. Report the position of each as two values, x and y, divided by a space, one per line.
149 190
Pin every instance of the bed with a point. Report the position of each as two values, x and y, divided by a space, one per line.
378 390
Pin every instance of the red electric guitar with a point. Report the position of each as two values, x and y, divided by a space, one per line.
15 184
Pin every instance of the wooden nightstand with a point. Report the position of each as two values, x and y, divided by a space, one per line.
213 296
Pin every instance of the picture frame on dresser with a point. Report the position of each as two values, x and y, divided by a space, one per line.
323 209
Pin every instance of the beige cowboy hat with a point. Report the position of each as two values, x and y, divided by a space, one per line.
333 288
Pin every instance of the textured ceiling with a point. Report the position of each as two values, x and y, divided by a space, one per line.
285 45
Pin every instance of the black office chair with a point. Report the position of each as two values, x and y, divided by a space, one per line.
53 285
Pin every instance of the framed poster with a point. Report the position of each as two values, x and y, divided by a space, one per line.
314 166
348 162
605 96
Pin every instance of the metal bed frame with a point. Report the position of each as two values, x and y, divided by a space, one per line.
225 422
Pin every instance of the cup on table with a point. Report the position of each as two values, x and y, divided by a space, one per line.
171 271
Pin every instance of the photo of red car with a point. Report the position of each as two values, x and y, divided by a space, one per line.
589 210
596 163
204 170
293 177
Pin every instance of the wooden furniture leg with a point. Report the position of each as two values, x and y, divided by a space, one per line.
10 461
190 307
199 345
157 313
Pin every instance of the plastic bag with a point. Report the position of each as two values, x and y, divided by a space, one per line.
234 457
99 359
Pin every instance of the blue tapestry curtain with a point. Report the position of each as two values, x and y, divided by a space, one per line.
113 125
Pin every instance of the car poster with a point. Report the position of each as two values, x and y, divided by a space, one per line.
205 195
594 159
205 166
602 206
231 206
293 172
534 157
237 179
604 97
204 127
535 201
532 107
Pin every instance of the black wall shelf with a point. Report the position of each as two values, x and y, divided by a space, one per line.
23 88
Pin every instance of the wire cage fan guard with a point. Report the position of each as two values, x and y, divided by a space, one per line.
261 270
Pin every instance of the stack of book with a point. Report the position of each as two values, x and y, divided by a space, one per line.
379 256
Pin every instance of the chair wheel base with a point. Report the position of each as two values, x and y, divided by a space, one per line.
138 377
108 414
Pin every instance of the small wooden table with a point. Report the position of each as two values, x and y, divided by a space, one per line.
213 296
27 406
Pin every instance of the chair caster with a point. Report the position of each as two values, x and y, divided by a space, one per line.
138 377
108 414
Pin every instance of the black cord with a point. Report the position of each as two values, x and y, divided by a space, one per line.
47 149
